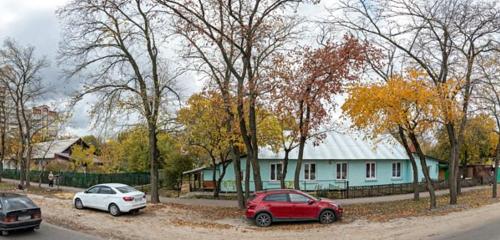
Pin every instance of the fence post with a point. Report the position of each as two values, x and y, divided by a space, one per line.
347 189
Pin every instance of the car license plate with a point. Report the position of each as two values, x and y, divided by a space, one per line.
138 199
22 218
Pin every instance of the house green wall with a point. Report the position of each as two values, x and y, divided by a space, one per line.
326 174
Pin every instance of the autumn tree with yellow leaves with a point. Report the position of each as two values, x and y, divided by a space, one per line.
206 133
405 102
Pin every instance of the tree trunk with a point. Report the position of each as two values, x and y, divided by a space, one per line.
285 168
214 179
404 141
219 180
303 126
40 176
2 156
252 116
153 160
249 137
463 172
237 174
235 152
453 162
22 166
248 166
298 168
495 174
28 164
425 170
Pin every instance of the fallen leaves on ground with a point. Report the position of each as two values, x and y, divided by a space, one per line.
382 212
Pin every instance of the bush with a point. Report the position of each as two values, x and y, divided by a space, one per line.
174 166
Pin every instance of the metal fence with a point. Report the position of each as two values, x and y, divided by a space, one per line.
83 180
387 189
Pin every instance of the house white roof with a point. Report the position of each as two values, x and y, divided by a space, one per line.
344 146
49 149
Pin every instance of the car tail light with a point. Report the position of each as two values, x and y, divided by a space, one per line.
10 219
128 198
36 215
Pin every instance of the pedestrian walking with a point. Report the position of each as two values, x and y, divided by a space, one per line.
51 179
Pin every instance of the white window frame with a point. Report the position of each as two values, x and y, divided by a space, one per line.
392 169
337 177
309 172
374 177
276 174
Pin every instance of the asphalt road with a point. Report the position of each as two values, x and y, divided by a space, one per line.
49 232
486 231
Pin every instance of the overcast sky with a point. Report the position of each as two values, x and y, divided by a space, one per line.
34 22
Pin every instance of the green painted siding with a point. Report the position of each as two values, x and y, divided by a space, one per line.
326 174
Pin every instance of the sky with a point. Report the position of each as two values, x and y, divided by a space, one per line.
33 22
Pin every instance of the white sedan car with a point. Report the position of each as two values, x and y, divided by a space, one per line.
112 197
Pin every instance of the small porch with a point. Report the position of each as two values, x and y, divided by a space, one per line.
195 181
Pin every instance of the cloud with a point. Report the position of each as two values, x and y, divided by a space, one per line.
33 22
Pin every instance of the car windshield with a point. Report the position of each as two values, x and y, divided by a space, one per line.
18 203
126 189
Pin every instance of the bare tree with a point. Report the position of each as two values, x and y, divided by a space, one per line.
21 79
442 37
253 30
118 45
488 97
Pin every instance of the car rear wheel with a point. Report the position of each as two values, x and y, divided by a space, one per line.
114 210
327 217
78 204
263 220
4 233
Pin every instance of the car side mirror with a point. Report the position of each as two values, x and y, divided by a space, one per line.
311 202
86 191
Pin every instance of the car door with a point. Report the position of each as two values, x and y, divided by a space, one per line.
303 206
89 197
278 205
105 197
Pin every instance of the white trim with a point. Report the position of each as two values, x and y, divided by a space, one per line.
346 173
375 170
400 170
315 171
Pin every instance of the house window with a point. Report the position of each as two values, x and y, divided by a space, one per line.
310 171
276 171
370 170
341 171
396 170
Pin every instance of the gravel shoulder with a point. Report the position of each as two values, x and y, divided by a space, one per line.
192 222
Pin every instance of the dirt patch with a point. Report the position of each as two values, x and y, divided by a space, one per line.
176 221
382 212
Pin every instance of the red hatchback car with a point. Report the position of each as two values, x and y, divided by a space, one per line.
270 206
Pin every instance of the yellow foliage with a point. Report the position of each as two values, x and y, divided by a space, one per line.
407 101
82 157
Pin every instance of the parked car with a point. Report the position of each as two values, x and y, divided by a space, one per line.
18 212
270 206
112 197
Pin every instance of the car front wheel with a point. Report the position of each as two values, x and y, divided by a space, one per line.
327 217
78 204
263 220
114 210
